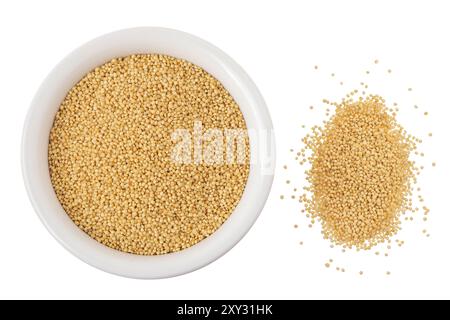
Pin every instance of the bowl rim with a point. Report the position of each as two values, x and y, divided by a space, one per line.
181 45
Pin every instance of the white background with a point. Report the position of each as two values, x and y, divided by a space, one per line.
277 43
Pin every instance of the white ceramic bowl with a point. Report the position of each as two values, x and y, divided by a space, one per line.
121 43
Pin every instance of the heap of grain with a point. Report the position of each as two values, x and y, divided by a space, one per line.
360 175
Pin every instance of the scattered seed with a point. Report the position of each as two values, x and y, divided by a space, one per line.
360 181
